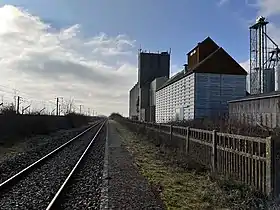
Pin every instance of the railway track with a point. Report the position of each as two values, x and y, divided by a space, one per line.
42 184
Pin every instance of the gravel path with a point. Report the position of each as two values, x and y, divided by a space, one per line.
85 188
128 189
34 149
38 188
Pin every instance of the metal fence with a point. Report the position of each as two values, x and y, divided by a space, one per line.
250 160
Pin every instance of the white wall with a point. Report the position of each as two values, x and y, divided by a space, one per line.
155 84
198 95
133 96
180 94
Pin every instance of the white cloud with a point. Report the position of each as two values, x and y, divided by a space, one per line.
268 7
45 63
273 31
222 2
265 8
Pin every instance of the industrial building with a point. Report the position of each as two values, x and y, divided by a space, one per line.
156 84
150 67
134 102
211 84
261 107
264 59
211 78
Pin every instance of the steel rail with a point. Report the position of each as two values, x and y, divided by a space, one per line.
55 198
17 175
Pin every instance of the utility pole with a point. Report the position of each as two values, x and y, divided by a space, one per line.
70 107
57 106
80 109
18 100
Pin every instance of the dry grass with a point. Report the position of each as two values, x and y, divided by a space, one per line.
185 188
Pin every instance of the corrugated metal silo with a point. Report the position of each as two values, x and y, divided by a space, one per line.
277 78
269 80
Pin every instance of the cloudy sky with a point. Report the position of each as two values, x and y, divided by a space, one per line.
87 49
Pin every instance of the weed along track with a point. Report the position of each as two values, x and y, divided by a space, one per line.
42 184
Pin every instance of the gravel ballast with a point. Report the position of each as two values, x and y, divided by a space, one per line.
85 187
35 148
37 189
128 189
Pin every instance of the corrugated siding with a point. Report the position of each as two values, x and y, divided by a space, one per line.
265 111
133 96
188 108
213 91
152 93
179 94
154 86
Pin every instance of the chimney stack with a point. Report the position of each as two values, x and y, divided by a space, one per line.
185 68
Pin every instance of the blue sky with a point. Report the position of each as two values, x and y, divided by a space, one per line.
89 52
157 24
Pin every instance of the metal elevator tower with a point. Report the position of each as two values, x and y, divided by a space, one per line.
264 59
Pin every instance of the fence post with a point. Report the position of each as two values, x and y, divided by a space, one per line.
272 167
271 174
269 166
187 140
214 151
171 132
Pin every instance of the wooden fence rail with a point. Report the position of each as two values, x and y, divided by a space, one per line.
250 160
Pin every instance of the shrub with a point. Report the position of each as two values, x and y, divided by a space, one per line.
14 125
76 120
227 126
8 110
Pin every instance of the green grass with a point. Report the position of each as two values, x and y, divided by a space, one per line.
178 187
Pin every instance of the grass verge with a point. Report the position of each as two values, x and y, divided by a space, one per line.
184 188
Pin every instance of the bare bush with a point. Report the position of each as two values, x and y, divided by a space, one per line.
76 120
8 110
13 125
222 124
226 125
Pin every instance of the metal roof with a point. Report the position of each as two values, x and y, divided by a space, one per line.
257 96
198 68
